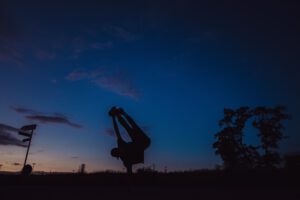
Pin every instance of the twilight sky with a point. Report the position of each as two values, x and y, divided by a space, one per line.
172 65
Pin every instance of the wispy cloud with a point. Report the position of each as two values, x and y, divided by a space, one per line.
43 54
15 51
110 132
117 84
74 157
36 152
52 119
37 116
77 75
10 53
81 44
81 74
116 34
22 110
6 137
102 45
112 81
120 32
16 164
54 81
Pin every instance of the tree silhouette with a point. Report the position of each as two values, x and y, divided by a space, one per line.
229 144
238 155
268 122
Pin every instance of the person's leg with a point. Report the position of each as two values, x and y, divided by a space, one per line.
129 119
116 128
136 133
146 142
125 125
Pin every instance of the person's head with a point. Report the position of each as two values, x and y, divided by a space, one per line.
115 152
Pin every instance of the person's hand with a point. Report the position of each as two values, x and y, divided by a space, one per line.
112 111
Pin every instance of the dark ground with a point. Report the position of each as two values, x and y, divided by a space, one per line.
189 185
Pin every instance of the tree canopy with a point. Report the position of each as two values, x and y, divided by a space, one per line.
230 144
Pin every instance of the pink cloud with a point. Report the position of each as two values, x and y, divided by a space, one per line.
101 46
114 82
22 110
34 115
53 119
83 74
54 81
110 132
43 54
120 32
118 85
10 54
4 57
78 75
80 44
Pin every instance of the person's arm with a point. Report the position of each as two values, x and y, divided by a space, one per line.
129 169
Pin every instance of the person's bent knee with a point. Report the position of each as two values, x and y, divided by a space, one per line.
147 143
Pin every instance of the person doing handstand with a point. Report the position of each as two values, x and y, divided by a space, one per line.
129 152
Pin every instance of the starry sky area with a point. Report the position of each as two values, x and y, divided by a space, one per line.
172 65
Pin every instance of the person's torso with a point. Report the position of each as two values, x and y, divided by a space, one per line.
132 153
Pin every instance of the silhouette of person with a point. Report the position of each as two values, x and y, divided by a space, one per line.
129 152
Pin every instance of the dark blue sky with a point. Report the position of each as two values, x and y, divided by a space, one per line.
173 65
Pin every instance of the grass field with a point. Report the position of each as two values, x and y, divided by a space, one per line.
188 185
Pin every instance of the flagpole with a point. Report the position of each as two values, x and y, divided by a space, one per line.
28 147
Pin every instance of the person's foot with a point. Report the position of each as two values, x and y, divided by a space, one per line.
112 111
121 111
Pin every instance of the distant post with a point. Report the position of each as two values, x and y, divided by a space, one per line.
27 131
81 169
